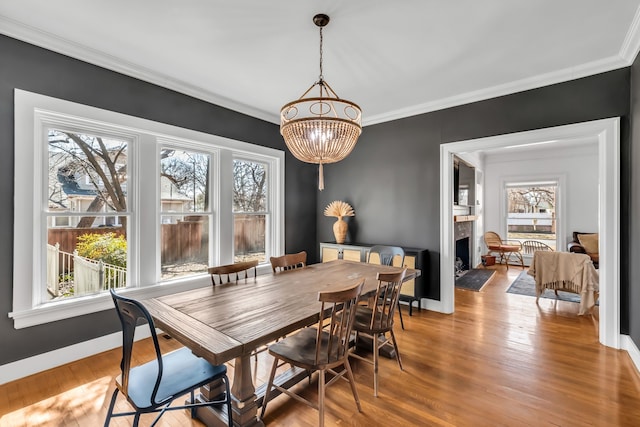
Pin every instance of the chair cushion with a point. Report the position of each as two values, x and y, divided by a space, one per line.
505 248
182 372
589 242
300 349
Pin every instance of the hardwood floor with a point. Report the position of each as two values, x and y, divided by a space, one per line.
499 360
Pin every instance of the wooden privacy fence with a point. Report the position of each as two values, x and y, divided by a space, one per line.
249 233
179 242
182 241
67 237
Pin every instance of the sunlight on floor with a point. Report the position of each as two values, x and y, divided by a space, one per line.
83 403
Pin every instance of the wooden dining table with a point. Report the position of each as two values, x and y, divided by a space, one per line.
229 321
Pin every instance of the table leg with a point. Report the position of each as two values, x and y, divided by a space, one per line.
243 394
243 399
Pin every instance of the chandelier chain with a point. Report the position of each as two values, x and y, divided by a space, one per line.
321 77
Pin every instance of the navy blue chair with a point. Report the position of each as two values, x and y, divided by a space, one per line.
152 387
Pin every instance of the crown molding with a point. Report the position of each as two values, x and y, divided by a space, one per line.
627 54
567 74
631 44
63 46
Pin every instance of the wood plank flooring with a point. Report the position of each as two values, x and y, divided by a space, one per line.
499 360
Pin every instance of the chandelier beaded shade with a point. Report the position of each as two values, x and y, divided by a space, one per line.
320 129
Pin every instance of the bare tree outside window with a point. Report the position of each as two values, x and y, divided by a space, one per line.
249 210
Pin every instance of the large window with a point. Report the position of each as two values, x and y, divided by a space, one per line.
250 210
185 212
531 212
104 200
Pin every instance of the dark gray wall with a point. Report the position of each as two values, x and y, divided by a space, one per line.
392 178
38 70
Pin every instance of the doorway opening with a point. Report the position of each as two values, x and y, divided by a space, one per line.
606 133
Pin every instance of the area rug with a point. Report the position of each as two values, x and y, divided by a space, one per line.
474 279
526 285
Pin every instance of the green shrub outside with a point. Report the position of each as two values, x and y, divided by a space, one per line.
108 248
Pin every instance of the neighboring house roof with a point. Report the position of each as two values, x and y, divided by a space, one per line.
70 185
169 191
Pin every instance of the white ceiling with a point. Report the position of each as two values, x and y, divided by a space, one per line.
393 58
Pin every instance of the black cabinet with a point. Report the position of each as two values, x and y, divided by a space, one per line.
412 290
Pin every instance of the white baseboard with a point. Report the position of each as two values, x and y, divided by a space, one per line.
426 304
632 349
432 304
41 362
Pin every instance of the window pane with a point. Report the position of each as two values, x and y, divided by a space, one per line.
184 178
249 186
87 173
532 213
81 260
184 245
184 185
249 198
249 238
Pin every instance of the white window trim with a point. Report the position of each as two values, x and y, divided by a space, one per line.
29 109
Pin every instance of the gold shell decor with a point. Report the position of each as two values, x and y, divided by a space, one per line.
339 209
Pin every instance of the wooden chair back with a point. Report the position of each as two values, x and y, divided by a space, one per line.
492 239
337 313
386 301
386 255
288 261
225 273
531 246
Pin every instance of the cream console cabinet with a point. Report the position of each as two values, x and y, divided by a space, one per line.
412 290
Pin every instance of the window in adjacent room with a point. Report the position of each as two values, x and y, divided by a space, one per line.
531 211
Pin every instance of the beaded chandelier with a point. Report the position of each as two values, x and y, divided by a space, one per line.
320 129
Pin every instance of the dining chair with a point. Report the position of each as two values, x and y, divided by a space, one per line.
387 255
321 348
505 248
232 271
375 322
530 246
153 386
288 262
226 273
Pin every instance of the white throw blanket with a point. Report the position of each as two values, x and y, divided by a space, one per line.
565 271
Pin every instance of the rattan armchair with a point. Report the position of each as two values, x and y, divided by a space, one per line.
505 248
